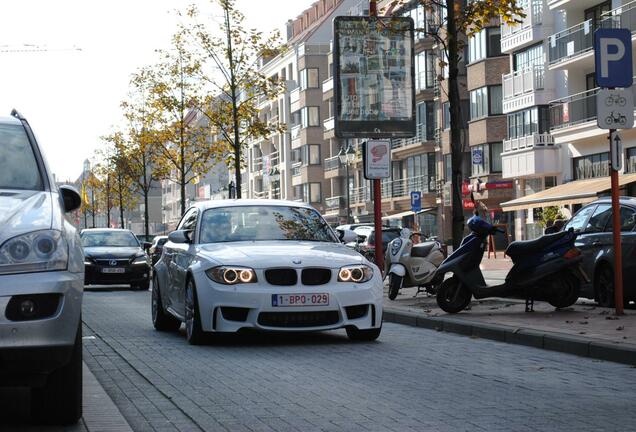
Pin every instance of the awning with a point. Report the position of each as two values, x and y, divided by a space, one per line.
406 213
576 192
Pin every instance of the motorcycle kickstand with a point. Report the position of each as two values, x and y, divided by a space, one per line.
529 303
419 290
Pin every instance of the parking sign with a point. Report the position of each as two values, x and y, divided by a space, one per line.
416 201
613 57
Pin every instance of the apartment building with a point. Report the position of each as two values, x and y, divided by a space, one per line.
550 99
290 165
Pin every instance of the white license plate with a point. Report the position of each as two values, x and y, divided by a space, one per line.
291 300
114 270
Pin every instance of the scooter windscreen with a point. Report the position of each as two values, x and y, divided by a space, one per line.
479 226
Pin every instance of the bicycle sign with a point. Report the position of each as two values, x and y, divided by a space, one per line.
615 108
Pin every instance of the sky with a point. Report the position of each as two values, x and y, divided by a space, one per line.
71 97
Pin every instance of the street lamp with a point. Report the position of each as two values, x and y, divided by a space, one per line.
347 156
274 174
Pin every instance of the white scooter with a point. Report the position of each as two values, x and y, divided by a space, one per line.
411 265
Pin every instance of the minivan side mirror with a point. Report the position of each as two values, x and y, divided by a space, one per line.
71 197
179 236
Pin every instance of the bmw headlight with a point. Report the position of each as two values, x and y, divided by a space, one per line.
396 245
34 252
355 273
231 275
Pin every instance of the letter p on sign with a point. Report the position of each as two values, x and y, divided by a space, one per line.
613 57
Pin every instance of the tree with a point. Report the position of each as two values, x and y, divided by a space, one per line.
92 185
456 22
104 173
174 93
122 186
144 162
230 68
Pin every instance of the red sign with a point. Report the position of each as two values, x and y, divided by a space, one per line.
498 185
468 204
465 188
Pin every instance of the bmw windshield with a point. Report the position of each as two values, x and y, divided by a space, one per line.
262 223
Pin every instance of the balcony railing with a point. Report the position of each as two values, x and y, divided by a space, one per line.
257 164
422 134
295 132
295 169
314 49
532 18
329 124
332 163
360 195
524 81
575 109
526 142
337 202
327 85
403 187
294 95
580 38
260 194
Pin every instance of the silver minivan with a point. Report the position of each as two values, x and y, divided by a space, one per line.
41 279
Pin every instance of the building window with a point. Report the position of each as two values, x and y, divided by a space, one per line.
310 154
591 166
486 159
486 43
446 115
527 122
310 116
424 70
448 167
426 120
485 101
495 156
421 172
630 160
550 182
309 78
529 57
312 193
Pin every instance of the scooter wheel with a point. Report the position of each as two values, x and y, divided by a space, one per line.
395 283
565 291
453 296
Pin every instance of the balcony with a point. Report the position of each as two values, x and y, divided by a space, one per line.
525 88
295 169
422 135
403 187
360 195
261 194
327 85
576 43
336 203
313 49
528 31
332 163
329 124
257 166
531 155
294 99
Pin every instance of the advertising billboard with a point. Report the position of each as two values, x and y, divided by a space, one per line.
374 77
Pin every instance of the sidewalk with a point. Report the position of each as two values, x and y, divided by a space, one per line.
583 329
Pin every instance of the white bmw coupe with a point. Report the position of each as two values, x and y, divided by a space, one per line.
266 265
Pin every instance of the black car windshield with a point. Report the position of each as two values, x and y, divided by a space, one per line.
18 166
260 223
109 238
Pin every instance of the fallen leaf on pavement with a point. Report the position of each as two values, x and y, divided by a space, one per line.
611 317
582 332
620 328
569 322
582 322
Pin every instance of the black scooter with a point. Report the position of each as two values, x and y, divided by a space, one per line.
546 269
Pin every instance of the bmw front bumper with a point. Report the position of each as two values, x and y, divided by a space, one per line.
230 308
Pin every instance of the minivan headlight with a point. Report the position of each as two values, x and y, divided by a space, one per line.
38 251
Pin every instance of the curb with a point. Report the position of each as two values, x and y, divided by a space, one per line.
551 341
100 412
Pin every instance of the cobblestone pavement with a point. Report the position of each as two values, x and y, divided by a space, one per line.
411 379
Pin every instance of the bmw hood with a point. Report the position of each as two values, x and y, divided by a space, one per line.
105 252
266 254
24 211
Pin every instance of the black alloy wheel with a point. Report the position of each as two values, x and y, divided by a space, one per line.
453 296
604 286
194 332
161 320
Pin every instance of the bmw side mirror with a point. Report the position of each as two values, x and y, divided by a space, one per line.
147 245
347 236
71 197
179 236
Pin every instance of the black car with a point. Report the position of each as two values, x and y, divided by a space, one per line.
594 225
115 257
156 248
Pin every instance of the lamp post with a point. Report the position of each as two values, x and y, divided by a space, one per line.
347 155
275 176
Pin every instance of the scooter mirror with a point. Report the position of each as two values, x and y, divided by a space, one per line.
406 233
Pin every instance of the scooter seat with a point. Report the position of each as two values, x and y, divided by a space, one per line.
526 247
421 250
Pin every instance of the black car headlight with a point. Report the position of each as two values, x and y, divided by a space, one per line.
38 251
396 245
141 259
355 273
232 275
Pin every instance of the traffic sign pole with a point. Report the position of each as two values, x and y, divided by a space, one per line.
616 228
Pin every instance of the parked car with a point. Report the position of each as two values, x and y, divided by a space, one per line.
366 240
156 248
145 238
41 279
266 265
594 225
354 226
115 257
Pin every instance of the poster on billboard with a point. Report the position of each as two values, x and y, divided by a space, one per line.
374 77
377 159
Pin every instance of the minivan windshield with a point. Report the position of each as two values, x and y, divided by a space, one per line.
259 223
109 238
18 166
